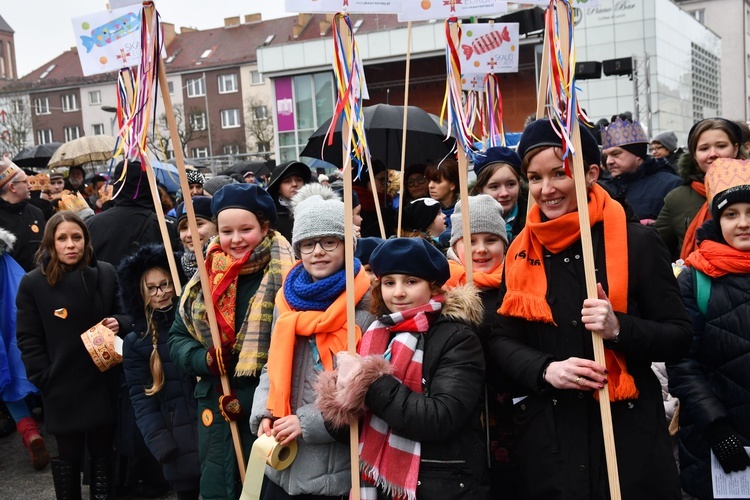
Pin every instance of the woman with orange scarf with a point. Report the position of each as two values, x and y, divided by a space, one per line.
310 327
685 208
541 337
713 381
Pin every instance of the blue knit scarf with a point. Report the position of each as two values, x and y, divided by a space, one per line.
304 294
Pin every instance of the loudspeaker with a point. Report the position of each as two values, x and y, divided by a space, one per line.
622 66
529 20
588 70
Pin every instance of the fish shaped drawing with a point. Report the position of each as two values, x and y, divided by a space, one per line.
112 31
486 43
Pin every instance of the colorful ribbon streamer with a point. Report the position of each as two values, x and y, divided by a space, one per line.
492 111
453 101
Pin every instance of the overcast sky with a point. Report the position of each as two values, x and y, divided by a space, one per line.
43 29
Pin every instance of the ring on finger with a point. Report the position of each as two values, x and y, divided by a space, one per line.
578 380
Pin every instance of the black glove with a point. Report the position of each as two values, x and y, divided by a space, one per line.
219 360
727 447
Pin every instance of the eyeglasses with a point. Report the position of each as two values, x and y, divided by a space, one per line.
25 181
416 181
163 288
327 244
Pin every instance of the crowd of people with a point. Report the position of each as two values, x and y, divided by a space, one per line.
481 386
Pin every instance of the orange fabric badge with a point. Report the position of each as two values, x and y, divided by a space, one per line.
61 313
207 417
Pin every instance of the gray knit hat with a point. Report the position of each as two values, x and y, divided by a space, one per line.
485 216
667 139
318 212
217 182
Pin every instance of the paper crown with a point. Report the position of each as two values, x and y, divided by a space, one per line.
8 170
622 132
726 173
39 182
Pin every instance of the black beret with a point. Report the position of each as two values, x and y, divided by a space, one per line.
410 256
201 206
499 154
419 214
540 133
365 246
250 197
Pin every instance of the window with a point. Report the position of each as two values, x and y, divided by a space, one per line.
95 97
41 107
170 86
72 133
98 129
196 87
230 118
227 84
206 53
256 77
264 146
231 149
198 121
199 152
44 136
699 15
69 103
18 106
260 112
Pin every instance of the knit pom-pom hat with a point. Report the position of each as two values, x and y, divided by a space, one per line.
485 216
318 212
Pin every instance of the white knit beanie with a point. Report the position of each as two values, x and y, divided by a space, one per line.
318 212
485 216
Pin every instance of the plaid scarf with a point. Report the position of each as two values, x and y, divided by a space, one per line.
387 460
274 256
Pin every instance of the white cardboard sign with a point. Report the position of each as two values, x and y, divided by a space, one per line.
351 6
109 40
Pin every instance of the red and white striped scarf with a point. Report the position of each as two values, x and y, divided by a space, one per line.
387 460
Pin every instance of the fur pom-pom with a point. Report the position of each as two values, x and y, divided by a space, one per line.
7 239
339 405
314 189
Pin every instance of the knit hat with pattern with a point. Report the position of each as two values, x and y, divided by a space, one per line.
485 216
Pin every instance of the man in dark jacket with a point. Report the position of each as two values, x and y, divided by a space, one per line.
18 216
643 181
132 222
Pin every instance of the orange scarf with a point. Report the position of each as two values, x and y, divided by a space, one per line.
689 242
481 280
717 259
526 278
330 330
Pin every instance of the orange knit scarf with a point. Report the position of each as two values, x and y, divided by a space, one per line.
481 280
717 259
689 242
330 330
526 278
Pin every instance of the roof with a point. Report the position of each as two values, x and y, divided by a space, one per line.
62 71
4 26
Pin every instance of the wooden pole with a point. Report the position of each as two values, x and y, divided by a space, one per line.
589 266
351 333
403 135
463 183
148 8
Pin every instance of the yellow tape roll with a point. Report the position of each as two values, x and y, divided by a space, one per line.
266 451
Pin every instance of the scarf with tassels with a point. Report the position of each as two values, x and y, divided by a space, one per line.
482 280
717 259
526 278
690 242
274 257
389 461
329 327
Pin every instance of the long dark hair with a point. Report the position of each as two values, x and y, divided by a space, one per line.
46 256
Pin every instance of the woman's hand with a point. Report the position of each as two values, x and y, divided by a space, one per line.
597 315
112 324
265 427
576 373
287 429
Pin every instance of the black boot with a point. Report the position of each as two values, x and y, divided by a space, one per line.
67 480
99 479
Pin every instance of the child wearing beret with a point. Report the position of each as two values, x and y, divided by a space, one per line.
206 230
416 383
423 218
246 266
310 326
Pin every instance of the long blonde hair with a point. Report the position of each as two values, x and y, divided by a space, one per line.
157 369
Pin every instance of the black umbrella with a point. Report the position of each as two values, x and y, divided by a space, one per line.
425 141
36 156
257 167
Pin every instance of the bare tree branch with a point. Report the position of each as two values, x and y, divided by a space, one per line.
15 123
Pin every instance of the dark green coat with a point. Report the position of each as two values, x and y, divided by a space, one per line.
680 207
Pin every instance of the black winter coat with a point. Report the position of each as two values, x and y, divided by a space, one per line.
167 419
284 220
27 223
645 188
76 395
713 381
559 448
446 418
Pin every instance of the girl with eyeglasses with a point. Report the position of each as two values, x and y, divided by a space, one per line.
310 326
162 396
246 264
